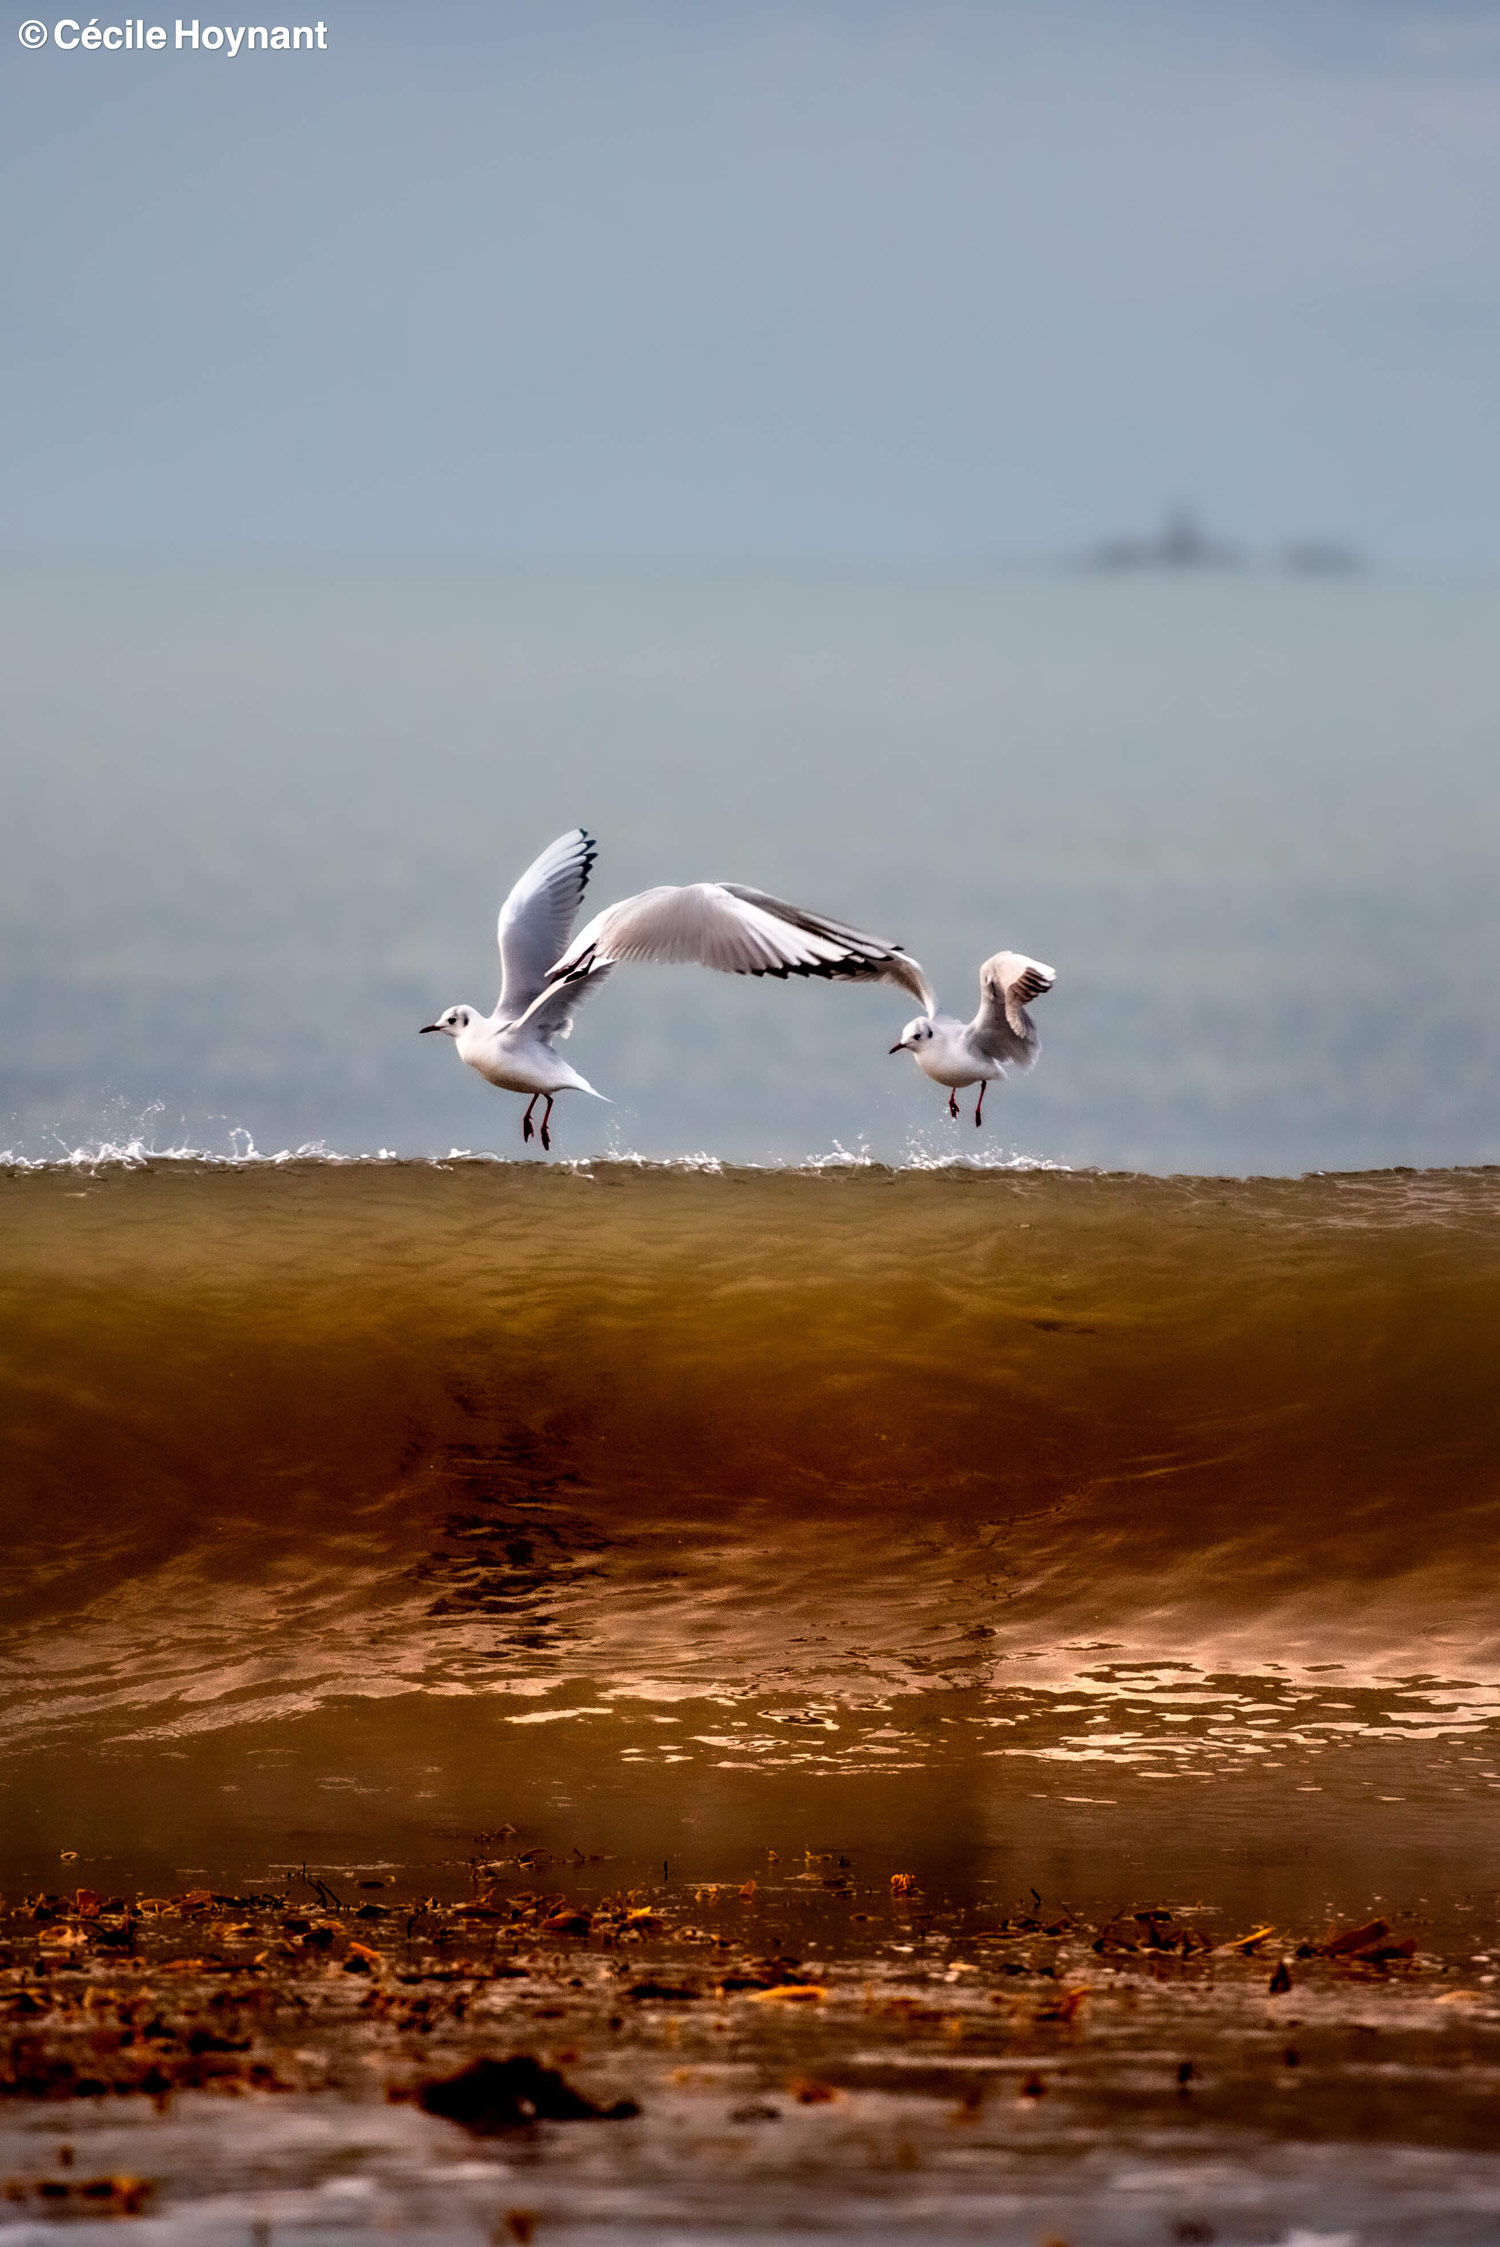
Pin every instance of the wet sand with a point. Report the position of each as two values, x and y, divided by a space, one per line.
823 2045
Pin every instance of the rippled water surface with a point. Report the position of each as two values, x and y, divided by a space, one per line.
1148 1479
1052 1543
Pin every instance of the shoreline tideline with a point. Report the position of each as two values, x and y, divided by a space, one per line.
822 2021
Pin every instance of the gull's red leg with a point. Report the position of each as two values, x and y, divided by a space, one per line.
526 1119
952 1100
546 1120
979 1103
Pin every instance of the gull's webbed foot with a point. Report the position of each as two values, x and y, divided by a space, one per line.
952 1102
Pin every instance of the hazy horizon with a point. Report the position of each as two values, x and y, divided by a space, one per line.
794 279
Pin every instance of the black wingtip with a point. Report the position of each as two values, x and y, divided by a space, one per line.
851 970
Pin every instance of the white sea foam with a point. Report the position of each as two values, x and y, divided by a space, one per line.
138 1154
923 1152
138 1148
141 1154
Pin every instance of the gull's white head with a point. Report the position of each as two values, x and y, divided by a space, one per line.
914 1036
454 1022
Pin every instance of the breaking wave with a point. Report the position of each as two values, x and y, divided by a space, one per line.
288 1427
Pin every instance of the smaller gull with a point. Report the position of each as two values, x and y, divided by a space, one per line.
723 925
1001 1036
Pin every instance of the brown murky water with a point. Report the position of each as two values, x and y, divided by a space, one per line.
1072 1545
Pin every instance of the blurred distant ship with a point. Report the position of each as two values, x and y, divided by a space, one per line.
1183 544
1180 544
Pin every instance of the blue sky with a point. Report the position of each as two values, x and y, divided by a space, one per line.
887 283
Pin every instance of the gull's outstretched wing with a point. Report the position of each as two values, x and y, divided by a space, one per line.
1002 1028
536 917
739 931
550 1014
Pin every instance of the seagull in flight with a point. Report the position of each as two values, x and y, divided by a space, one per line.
544 978
1001 1036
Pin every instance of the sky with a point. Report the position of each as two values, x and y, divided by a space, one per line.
804 280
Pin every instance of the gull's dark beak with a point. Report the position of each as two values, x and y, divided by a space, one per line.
899 1046
426 1026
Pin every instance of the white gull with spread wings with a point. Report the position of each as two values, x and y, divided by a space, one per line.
720 925
1001 1036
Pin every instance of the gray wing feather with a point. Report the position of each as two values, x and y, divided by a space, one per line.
739 931
1002 1028
865 957
551 1013
537 915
